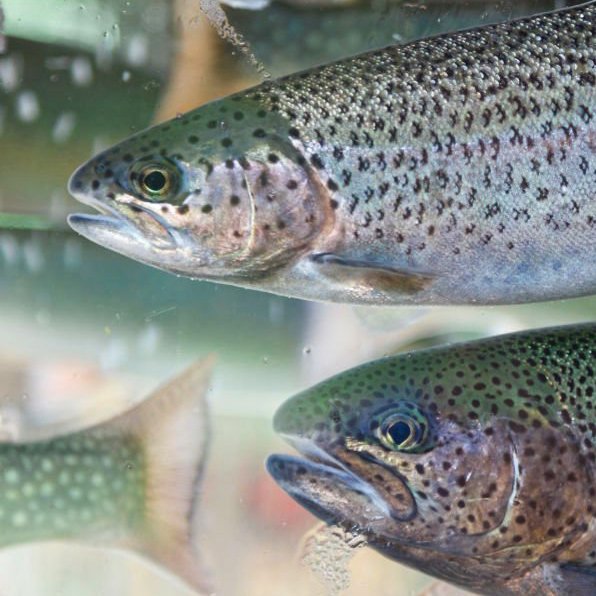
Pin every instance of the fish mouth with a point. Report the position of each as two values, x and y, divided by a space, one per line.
114 229
330 490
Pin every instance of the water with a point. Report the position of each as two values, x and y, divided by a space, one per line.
86 332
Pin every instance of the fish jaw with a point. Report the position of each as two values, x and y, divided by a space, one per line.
329 490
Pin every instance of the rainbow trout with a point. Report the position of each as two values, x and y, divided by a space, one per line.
457 169
129 483
474 463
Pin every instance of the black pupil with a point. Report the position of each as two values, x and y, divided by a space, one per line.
399 432
155 181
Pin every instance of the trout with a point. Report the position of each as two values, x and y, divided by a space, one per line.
474 463
129 483
458 169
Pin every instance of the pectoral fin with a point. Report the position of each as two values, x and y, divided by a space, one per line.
378 274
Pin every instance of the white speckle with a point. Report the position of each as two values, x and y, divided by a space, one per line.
27 106
28 490
125 76
64 477
11 476
46 489
75 493
71 460
47 465
138 50
81 71
19 519
63 127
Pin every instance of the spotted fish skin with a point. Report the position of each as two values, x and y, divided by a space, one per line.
67 488
128 483
456 169
493 486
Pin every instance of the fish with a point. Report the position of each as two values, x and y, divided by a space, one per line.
458 169
473 462
129 483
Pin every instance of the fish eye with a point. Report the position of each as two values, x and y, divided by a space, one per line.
403 431
154 181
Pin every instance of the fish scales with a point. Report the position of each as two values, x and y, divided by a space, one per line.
455 169
466 148
475 462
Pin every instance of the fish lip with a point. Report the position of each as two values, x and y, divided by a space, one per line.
286 470
111 217
319 461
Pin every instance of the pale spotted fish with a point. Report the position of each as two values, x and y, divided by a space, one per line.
129 483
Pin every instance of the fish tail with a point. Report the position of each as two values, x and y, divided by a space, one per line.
172 427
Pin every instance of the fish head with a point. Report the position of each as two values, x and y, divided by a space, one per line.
436 466
216 193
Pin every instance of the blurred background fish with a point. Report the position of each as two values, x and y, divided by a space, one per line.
130 482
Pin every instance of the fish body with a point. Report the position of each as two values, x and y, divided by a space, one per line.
474 462
456 169
128 483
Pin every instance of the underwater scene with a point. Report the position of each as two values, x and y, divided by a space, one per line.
327 327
